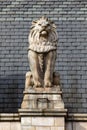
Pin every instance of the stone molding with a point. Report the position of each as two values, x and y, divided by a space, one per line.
9 117
69 116
76 117
45 113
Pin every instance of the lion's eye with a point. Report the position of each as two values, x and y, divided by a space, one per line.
48 24
39 24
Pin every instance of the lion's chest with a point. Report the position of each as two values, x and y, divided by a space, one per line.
42 47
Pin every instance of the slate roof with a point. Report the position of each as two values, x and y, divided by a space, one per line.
70 16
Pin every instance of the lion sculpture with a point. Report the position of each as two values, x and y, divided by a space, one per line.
43 41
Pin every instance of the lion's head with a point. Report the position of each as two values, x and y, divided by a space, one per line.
43 36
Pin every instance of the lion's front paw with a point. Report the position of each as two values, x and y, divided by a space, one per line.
37 84
47 83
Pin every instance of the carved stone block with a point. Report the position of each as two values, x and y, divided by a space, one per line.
43 99
42 105
43 41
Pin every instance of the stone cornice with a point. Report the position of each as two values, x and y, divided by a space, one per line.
44 113
16 117
9 117
76 117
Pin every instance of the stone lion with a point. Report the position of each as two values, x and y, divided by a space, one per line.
43 41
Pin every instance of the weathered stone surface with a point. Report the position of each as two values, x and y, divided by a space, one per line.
43 128
42 90
25 121
55 128
15 126
81 126
43 121
61 128
5 126
42 103
59 104
28 128
43 99
42 49
55 89
59 121
76 125
43 112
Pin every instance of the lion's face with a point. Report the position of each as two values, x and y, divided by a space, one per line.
43 35
43 26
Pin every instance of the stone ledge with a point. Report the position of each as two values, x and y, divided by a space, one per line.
9 117
16 116
36 93
40 112
76 117
53 90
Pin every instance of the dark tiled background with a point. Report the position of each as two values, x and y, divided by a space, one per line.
70 16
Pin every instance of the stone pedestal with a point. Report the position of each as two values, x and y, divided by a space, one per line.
43 109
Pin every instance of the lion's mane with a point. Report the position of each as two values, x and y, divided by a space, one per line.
35 42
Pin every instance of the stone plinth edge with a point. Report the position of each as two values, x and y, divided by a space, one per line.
23 112
56 89
9 117
39 112
76 117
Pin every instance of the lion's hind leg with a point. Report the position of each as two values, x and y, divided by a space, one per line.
29 80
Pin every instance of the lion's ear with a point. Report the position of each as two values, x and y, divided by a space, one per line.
54 26
34 22
44 17
51 22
